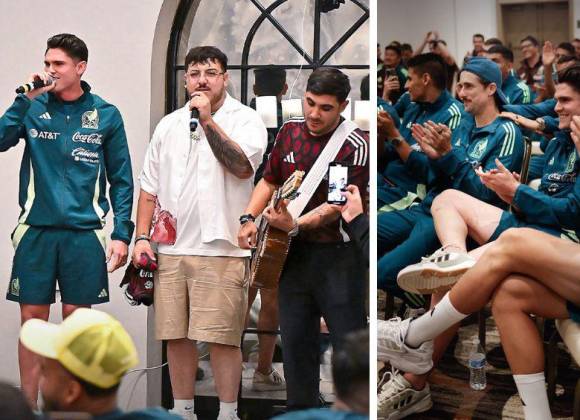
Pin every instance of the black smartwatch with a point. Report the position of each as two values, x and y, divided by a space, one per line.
245 218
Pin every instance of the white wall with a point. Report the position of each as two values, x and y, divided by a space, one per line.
455 20
121 39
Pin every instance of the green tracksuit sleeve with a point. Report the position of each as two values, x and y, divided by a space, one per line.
11 123
418 164
120 177
457 165
538 207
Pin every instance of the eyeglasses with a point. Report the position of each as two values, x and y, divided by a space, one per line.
209 75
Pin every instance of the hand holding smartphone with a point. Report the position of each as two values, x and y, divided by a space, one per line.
337 182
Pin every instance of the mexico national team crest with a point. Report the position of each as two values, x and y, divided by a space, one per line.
571 162
90 119
479 149
15 287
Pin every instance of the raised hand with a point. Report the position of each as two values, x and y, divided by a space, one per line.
500 180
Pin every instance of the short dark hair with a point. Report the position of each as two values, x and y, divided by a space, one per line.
72 45
406 47
269 81
13 405
350 366
394 48
492 41
95 391
329 81
530 38
571 76
431 64
566 58
505 52
205 54
478 36
568 47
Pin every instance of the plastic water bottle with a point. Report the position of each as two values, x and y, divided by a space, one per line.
477 368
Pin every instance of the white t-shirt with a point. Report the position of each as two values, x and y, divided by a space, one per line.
189 182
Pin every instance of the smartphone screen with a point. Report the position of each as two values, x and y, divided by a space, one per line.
337 182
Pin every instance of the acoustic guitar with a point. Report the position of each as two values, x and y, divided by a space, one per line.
272 245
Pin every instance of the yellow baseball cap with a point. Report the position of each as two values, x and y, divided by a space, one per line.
90 344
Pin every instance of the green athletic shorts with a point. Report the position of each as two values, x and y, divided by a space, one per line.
509 220
73 258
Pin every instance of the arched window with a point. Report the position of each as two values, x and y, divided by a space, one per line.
297 35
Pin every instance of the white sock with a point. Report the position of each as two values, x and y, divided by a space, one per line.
183 405
227 408
431 324
532 390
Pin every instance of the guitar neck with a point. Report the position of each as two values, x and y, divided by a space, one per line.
276 199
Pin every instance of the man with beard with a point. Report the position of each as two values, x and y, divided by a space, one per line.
201 178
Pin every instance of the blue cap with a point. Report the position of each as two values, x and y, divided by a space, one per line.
488 71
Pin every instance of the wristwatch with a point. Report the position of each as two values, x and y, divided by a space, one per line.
541 124
142 238
245 218
295 229
396 141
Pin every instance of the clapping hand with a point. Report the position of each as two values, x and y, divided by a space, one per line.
434 139
500 180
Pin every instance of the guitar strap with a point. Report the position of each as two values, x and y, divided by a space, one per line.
320 167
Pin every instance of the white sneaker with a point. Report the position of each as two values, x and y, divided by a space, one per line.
271 382
391 347
232 415
397 398
436 273
413 312
184 414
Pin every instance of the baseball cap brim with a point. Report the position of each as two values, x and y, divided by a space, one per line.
40 337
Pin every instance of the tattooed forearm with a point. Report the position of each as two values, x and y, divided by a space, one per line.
320 216
227 152
145 210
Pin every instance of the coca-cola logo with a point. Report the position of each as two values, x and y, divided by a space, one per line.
93 138
84 155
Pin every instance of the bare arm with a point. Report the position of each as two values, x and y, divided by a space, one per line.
258 202
226 151
320 216
145 210
421 47
548 59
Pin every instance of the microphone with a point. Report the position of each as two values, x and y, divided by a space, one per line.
194 120
36 84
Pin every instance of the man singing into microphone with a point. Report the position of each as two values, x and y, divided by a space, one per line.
203 179
75 143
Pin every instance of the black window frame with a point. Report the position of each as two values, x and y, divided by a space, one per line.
266 13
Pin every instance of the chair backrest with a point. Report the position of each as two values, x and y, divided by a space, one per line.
525 164
526 160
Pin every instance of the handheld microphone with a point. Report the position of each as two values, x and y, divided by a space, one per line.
194 120
36 84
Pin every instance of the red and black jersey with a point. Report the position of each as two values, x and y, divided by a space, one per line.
296 149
